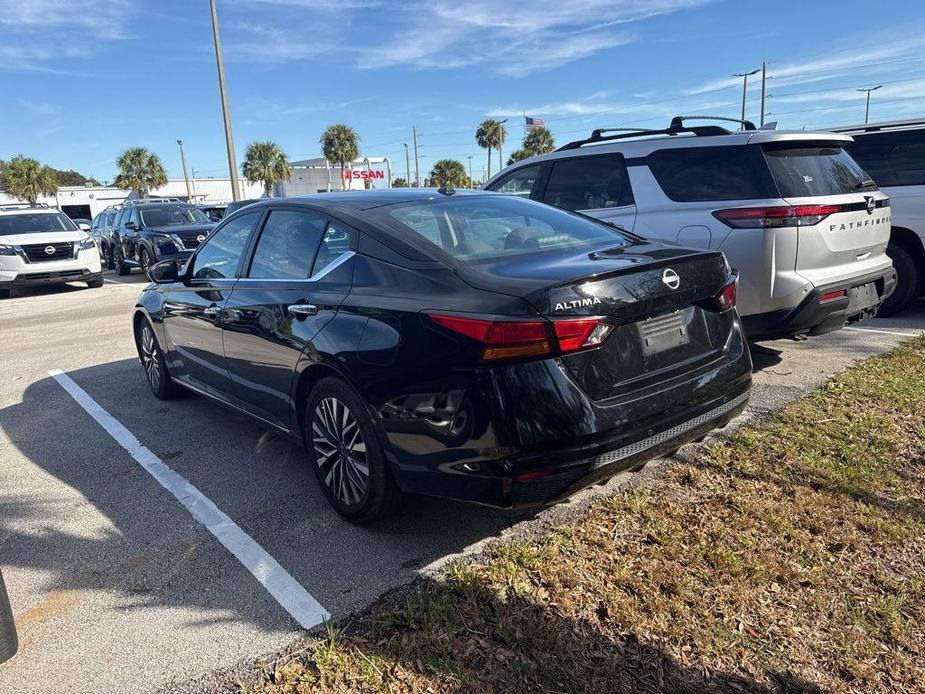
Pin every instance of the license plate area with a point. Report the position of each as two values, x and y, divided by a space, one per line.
863 297
662 333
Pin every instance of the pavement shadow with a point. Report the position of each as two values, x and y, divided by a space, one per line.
149 549
764 357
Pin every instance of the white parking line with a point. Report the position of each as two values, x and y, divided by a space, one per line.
297 601
884 332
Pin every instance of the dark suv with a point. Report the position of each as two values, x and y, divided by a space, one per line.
148 232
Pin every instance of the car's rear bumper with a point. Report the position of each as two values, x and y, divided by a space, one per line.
535 437
815 316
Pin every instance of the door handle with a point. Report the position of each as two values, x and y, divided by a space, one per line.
212 312
303 310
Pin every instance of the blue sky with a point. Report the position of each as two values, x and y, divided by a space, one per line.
83 80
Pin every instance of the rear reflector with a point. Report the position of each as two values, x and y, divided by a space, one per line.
513 339
831 296
725 298
763 217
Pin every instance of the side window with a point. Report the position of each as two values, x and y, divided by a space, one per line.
706 174
219 255
519 182
335 242
589 183
136 217
287 245
892 158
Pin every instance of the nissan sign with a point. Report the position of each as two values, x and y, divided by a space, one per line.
363 174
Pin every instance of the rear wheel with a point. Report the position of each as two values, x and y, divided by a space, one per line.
346 456
152 359
110 260
907 280
96 283
119 260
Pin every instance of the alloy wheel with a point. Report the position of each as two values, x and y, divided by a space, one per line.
340 451
144 262
149 357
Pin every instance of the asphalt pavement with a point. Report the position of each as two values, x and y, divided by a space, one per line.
117 587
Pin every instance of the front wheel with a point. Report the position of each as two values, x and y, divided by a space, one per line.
119 260
907 281
346 456
152 359
144 261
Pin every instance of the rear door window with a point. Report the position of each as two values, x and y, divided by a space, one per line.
519 183
706 174
589 183
822 170
892 158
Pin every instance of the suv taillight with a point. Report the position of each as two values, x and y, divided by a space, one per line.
764 217
512 339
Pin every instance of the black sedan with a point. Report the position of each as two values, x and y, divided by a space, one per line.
461 344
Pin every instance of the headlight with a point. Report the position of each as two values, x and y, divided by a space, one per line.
85 244
6 250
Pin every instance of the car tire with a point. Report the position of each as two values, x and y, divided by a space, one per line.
346 455
907 280
119 260
6 293
95 283
144 261
152 360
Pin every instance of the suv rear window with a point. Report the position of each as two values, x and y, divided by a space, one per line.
494 227
820 170
34 223
892 158
703 174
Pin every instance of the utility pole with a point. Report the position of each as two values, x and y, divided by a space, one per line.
764 80
407 166
745 76
867 107
229 139
470 171
189 193
501 146
417 170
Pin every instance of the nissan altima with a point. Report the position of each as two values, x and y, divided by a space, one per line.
462 344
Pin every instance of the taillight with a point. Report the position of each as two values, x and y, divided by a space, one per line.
510 339
765 217
832 296
725 298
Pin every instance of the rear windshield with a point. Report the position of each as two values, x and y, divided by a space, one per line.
172 216
34 223
804 171
494 227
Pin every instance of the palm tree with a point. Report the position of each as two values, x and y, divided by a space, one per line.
140 171
399 182
518 155
450 173
539 141
340 144
490 135
265 162
26 179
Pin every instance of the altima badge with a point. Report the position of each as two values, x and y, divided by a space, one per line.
671 278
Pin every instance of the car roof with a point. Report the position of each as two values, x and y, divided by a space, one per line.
16 208
368 199
911 124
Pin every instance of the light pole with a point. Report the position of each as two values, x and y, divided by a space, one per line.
407 166
745 76
470 171
417 170
501 145
229 139
189 193
867 107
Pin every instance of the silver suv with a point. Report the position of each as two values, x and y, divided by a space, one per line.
893 153
803 223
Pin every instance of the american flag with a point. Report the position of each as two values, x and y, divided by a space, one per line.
533 123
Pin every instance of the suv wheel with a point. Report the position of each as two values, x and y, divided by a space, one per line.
110 260
152 359
144 261
346 456
119 261
907 280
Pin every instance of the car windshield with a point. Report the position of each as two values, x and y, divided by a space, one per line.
172 215
34 223
481 228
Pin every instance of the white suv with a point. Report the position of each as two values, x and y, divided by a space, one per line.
893 154
39 245
803 223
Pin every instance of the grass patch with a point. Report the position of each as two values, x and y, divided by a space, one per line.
790 557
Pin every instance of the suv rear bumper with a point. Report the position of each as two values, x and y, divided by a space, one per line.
816 317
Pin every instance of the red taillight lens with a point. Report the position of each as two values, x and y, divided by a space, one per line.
831 296
580 333
501 339
764 217
725 298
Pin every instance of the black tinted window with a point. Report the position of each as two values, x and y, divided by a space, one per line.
218 257
287 245
700 174
519 182
807 171
892 158
335 242
172 215
589 183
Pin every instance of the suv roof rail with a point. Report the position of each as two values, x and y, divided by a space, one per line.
873 127
23 206
145 201
675 128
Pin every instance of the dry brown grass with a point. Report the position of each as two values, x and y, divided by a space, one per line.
790 557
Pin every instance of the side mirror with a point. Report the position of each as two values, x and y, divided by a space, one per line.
8 641
83 226
164 272
131 225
